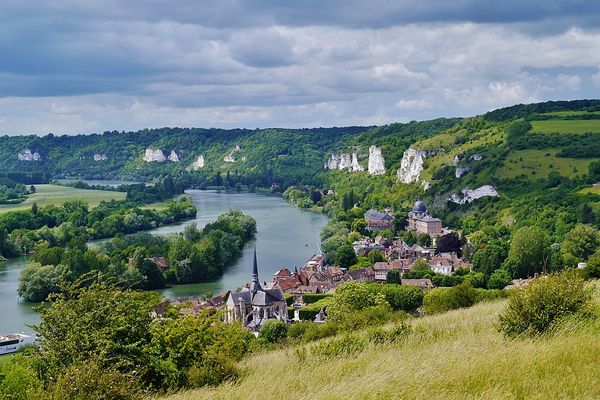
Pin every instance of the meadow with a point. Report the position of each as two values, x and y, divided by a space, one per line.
58 195
456 355
538 163
566 126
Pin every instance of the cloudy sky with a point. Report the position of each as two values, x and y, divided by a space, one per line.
83 66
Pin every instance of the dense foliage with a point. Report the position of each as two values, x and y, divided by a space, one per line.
135 261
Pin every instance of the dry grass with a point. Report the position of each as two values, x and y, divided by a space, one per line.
457 355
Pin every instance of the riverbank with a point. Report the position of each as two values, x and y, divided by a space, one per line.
286 237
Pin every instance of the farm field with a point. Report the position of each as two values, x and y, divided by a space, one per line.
58 195
566 126
539 163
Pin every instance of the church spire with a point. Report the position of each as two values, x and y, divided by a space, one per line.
255 286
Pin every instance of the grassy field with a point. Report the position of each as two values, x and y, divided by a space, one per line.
457 355
57 195
594 190
538 163
565 126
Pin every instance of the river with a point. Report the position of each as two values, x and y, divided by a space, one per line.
286 237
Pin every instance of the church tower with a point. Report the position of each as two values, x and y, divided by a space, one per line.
255 285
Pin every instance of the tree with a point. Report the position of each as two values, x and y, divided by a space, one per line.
593 266
32 189
489 259
449 243
579 244
345 256
424 240
499 279
393 276
354 296
529 252
273 331
375 256
34 208
153 276
594 171
359 225
421 265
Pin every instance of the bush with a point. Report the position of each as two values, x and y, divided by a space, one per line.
90 381
444 299
273 331
215 369
297 330
593 266
309 312
499 279
18 380
310 298
405 298
345 345
544 303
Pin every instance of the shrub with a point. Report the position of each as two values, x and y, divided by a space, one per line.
90 381
544 303
273 331
309 312
320 331
310 298
215 369
444 299
405 298
593 266
499 279
381 335
297 330
289 299
18 380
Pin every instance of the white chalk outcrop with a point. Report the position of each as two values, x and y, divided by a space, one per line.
411 165
28 155
467 195
344 161
376 161
460 171
198 164
100 157
154 155
173 157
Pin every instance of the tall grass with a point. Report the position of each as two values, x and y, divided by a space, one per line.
456 355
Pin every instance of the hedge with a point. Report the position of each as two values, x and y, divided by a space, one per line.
310 298
400 297
309 312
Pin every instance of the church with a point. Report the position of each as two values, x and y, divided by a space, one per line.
255 305
420 221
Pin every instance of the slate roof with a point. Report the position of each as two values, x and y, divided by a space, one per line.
376 215
263 297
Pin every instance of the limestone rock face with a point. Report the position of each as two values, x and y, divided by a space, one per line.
460 171
28 155
100 157
173 157
154 155
411 165
376 161
467 195
198 164
344 161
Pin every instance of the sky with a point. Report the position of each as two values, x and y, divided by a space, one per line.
86 66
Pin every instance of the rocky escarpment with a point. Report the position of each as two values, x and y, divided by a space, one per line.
344 161
468 195
229 158
173 157
100 157
411 165
198 164
376 161
154 155
28 155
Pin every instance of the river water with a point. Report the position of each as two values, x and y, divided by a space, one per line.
286 237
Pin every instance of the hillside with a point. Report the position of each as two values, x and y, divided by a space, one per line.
456 355
524 161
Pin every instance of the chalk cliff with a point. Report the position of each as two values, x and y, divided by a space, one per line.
411 165
28 155
154 155
468 195
376 161
100 157
344 161
173 157
198 164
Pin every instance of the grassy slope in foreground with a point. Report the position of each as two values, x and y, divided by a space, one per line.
457 355
58 195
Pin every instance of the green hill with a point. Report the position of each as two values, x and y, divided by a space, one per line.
456 355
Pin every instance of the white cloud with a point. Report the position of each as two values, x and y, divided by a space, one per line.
413 104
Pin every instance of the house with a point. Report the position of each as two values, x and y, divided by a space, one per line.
364 247
441 265
381 270
316 262
255 305
422 284
420 221
362 275
377 221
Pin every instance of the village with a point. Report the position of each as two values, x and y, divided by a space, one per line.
289 295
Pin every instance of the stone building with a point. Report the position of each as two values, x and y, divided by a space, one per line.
420 221
253 306
378 220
